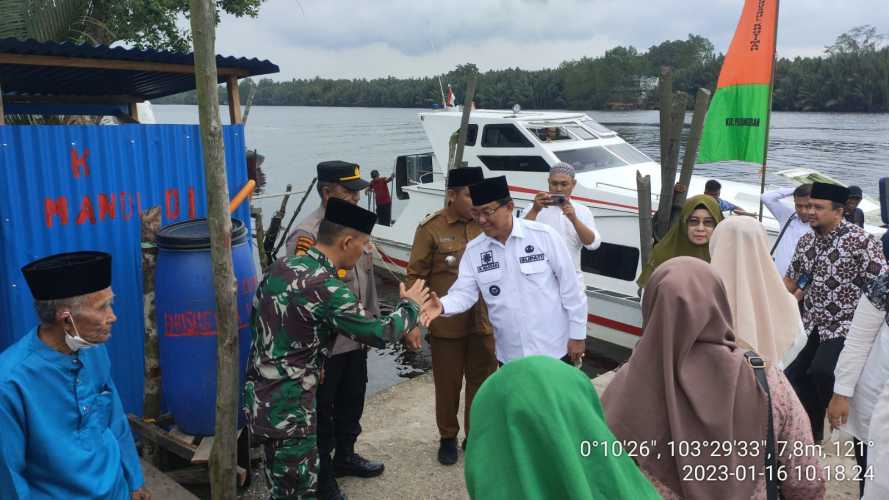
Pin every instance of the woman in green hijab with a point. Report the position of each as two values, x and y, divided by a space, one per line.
538 432
691 237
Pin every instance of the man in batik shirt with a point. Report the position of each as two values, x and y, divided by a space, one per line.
830 270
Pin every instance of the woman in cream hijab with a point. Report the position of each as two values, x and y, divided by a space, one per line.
765 316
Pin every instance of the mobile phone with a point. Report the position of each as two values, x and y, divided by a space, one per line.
803 281
556 199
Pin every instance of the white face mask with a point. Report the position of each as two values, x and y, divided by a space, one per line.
76 342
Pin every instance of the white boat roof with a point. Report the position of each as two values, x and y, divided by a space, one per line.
506 115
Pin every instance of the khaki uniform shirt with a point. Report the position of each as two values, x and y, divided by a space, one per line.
438 246
360 279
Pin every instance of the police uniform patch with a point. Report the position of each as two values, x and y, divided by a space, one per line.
495 290
529 248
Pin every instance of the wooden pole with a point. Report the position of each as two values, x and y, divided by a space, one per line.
2 115
665 88
134 112
249 105
464 122
765 152
702 102
151 402
234 99
223 472
643 188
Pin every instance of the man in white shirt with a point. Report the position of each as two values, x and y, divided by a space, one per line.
574 222
526 276
793 222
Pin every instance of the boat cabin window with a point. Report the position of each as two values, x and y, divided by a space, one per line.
628 153
551 133
471 134
581 133
597 128
410 170
611 260
515 163
586 159
504 135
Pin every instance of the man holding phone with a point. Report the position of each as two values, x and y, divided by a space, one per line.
574 222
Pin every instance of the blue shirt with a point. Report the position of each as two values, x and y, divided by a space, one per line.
725 206
63 431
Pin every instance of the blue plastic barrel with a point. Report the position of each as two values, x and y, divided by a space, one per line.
186 317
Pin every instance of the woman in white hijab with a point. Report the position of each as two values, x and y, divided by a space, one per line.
765 315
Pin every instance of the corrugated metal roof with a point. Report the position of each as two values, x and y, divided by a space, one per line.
70 188
140 81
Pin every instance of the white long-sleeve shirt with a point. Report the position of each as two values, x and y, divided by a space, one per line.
863 366
795 231
553 217
530 286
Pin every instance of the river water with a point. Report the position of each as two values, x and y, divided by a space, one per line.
853 148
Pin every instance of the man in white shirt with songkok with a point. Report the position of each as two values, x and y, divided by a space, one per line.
527 278
573 221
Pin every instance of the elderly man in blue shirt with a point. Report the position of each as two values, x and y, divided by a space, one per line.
64 431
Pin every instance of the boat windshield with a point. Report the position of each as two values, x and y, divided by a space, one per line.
551 133
597 128
587 159
628 153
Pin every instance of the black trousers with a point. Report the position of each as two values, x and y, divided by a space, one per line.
384 214
340 401
811 375
861 460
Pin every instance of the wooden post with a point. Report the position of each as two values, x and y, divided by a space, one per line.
702 102
643 188
464 122
669 164
151 402
223 472
2 115
665 88
134 112
234 99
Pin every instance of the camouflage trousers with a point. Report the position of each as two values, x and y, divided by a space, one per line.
291 467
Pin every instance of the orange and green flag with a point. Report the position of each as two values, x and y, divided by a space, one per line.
736 123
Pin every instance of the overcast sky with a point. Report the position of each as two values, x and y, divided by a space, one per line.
378 38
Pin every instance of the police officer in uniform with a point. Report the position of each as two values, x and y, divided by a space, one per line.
527 278
300 306
462 345
341 394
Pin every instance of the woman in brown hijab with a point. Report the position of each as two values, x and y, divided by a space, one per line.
688 383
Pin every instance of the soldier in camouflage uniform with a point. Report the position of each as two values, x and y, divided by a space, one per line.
298 306
340 396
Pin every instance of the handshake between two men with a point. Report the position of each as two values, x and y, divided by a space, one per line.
430 308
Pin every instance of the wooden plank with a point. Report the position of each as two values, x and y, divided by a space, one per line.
162 486
161 437
202 455
86 63
196 474
234 99
182 437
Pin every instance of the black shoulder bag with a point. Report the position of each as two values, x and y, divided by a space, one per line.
759 370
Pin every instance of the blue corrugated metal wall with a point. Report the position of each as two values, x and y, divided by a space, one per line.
69 188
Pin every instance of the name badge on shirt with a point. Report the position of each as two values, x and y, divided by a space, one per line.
531 258
488 262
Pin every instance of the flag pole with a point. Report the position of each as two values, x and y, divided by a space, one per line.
765 153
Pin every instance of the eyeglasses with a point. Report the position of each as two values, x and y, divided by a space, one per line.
486 213
707 222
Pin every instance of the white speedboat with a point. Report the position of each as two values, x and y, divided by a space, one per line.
522 145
